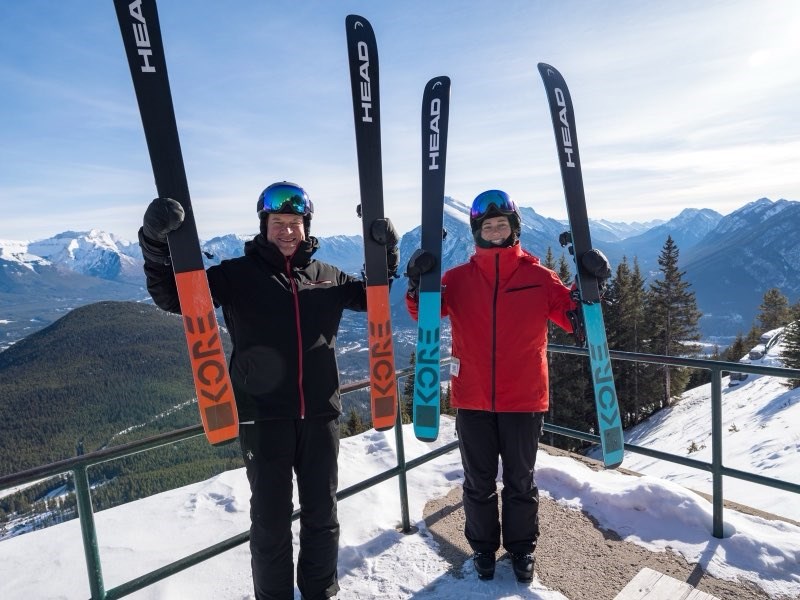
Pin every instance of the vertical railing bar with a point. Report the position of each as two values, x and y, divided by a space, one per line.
717 499
89 533
402 480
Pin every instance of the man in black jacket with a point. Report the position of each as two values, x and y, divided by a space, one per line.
282 309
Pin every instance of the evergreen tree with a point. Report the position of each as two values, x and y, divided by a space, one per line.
355 424
736 351
752 338
447 405
774 310
626 324
571 392
549 259
791 350
794 311
674 317
564 271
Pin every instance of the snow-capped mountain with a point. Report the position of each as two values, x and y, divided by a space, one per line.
687 230
610 231
730 261
751 250
94 253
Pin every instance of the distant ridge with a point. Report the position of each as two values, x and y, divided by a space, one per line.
101 369
729 260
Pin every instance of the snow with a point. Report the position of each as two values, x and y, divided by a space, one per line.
761 434
659 511
377 560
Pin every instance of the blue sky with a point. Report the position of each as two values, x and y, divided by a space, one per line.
678 104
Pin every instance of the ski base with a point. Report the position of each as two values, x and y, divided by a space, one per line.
215 398
434 122
144 49
383 382
362 55
427 385
606 403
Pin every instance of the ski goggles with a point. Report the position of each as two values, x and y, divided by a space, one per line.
284 198
482 205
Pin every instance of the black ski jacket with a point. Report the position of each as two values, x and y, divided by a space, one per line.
283 316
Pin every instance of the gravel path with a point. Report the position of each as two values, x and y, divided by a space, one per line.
576 557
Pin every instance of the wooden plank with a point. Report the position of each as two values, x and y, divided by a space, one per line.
652 585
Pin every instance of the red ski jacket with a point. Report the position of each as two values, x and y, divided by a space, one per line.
499 304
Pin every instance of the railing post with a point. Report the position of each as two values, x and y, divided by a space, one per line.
401 463
717 499
86 516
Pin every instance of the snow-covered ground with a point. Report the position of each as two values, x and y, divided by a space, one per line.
375 559
761 434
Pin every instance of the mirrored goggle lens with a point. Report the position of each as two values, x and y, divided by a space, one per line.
496 198
280 198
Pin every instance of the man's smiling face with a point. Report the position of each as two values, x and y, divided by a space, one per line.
286 231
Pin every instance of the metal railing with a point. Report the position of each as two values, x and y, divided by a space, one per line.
78 466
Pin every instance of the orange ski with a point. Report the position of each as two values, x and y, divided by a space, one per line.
383 389
141 35
214 392
362 53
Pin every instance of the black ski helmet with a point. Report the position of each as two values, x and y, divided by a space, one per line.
288 198
494 203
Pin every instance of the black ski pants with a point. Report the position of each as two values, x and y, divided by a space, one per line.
484 436
272 450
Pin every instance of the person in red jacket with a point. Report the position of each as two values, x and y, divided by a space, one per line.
499 304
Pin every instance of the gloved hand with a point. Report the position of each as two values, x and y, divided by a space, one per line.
383 232
596 263
420 262
162 216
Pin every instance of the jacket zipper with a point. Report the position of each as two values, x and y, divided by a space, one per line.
494 326
296 298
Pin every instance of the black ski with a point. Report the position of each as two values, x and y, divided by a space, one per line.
362 52
141 35
605 394
427 380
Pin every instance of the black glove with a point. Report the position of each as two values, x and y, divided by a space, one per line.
383 232
596 263
162 216
420 262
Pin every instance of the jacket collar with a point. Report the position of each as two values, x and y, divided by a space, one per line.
270 253
509 258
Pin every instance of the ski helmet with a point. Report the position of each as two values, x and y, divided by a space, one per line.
494 203
285 197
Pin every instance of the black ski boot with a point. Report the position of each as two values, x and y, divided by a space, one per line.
523 567
484 565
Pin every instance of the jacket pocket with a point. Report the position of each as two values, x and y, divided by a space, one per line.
523 287
261 369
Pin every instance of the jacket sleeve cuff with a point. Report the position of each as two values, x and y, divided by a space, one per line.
153 251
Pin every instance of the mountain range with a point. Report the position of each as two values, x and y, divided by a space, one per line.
729 260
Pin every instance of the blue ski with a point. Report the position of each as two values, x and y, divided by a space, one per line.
427 387
605 394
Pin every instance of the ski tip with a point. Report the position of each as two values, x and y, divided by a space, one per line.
440 80
611 466
428 439
356 21
384 428
546 70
